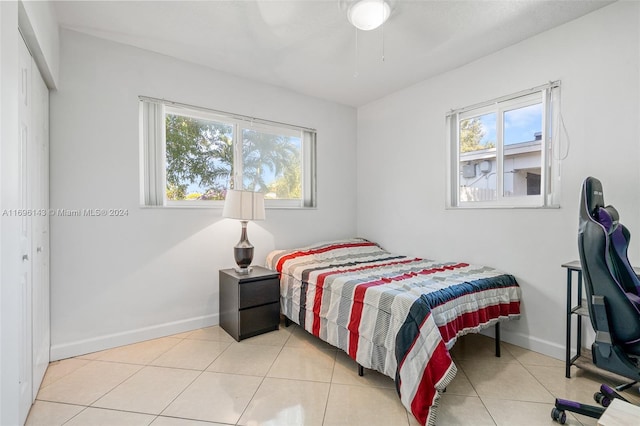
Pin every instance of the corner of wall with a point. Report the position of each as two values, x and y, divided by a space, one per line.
39 28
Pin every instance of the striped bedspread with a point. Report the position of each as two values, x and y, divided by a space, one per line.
395 314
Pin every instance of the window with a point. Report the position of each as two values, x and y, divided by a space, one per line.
501 152
192 156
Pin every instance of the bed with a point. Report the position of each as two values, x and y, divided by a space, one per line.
392 313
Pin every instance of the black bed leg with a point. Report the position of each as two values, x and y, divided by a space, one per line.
287 322
360 370
498 339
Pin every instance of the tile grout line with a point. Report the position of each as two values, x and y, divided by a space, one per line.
192 381
553 394
112 388
63 376
142 367
118 411
520 361
75 415
476 392
326 402
263 378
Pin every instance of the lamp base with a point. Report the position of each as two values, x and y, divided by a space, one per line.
243 252
243 271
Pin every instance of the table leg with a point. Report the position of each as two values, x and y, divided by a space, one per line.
579 318
568 343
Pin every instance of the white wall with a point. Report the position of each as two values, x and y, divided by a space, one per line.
402 162
116 280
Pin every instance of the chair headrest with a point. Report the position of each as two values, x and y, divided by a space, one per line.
608 217
591 200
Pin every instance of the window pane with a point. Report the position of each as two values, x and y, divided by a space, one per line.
272 164
478 158
522 130
199 158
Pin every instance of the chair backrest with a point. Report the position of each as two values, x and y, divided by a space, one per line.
619 242
602 246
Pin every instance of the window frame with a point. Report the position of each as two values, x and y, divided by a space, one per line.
153 114
549 96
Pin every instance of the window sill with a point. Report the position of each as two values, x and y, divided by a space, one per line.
217 207
503 207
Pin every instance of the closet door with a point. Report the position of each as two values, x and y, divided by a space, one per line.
25 376
39 171
33 115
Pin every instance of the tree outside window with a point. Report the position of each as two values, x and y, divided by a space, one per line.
200 163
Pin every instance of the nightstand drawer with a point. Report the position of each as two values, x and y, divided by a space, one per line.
249 304
257 320
256 293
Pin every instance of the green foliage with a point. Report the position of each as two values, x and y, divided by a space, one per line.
261 151
471 133
175 192
201 152
288 186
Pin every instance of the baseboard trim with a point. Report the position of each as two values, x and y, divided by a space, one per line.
544 347
108 341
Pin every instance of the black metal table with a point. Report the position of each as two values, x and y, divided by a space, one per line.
577 309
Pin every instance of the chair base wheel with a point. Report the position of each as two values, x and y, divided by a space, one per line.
602 399
558 415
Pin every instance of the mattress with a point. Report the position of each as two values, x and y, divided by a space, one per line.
396 314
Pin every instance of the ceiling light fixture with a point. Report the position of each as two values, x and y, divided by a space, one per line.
368 14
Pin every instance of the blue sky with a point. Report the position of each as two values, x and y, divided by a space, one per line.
520 125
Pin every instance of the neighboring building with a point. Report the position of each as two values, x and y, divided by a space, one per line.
521 166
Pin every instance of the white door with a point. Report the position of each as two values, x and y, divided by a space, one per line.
24 116
39 170
33 115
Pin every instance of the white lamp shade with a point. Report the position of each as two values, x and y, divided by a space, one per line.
368 14
244 205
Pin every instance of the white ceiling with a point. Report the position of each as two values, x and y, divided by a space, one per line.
309 46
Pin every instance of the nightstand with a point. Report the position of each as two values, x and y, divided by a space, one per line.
249 304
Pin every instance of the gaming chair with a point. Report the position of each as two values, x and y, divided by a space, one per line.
613 298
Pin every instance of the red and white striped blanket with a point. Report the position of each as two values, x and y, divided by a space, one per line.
395 314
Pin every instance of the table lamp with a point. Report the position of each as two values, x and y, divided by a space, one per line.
244 206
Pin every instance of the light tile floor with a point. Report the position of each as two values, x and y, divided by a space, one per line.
288 377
